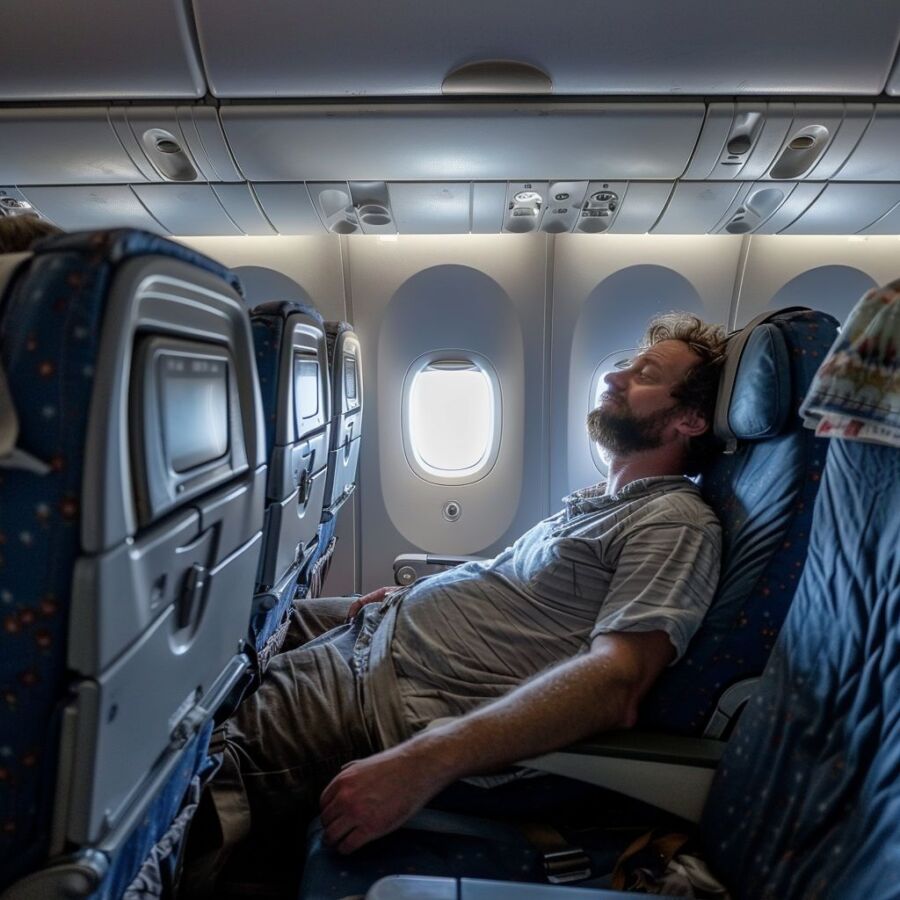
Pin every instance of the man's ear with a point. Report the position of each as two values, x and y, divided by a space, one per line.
691 423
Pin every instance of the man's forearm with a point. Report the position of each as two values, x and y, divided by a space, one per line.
583 696
594 692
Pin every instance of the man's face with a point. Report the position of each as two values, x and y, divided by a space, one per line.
637 411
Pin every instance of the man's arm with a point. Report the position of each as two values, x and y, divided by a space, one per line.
598 691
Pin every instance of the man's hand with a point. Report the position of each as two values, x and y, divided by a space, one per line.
370 797
376 596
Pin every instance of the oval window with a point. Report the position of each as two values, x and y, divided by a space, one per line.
451 421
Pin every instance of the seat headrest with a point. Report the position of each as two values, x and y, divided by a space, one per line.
333 330
284 309
754 398
116 245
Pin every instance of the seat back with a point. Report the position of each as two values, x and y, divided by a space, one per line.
763 494
817 752
292 360
132 538
345 374
818 749
345 367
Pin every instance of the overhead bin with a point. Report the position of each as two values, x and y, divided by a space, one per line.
779 141
462 141
304 48
105 49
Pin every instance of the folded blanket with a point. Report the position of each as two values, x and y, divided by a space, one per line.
856 392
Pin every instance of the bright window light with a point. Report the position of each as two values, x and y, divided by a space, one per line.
452 419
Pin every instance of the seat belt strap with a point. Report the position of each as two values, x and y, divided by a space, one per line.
563 863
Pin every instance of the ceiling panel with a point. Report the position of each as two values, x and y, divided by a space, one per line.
105 49
353 48
186 208
62 146
875 157
463 141
81 207
893 85
846 209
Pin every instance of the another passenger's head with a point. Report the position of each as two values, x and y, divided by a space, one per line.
18 233
667 394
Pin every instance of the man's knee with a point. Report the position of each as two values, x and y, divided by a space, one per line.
311 619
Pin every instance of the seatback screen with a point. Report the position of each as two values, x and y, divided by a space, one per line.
306 387
350 379
194 409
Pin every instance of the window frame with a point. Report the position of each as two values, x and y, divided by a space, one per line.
488 460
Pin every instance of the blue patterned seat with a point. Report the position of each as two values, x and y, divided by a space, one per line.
817 752
292 362
763 494
127 560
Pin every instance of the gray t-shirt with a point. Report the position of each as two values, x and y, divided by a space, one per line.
644 559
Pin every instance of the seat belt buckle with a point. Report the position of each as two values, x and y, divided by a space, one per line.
566 866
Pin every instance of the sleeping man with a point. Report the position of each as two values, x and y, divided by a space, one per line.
556 638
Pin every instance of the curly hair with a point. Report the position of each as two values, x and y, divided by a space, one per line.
700 385
18 233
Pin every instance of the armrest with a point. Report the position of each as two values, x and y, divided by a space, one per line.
420 887
409 567
671 772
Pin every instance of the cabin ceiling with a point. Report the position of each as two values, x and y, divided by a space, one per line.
231 117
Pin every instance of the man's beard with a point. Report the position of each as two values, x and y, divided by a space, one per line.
623 433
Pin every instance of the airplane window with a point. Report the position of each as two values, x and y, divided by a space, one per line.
451 423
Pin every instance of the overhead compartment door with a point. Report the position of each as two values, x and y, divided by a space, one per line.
104 49
392 48
461 142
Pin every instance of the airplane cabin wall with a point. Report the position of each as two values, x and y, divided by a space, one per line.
545 311
828 273
483 295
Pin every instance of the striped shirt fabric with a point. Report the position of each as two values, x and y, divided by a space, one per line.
644 559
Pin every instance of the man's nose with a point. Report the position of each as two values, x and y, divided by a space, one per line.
615 379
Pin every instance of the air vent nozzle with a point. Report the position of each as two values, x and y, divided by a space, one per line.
801 153
167 155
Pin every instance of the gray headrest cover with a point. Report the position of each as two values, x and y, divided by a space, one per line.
756 395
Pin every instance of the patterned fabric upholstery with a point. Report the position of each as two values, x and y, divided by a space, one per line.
806 800
763 494
50 324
